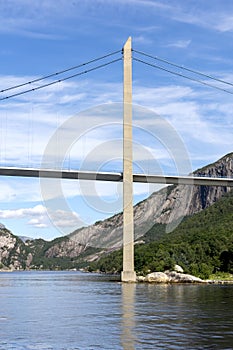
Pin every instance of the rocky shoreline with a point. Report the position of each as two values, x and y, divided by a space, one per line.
177 277
169 277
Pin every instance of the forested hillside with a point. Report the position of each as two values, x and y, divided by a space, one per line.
202 244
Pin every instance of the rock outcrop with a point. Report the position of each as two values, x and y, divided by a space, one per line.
178 268
13 252
158 277
170 277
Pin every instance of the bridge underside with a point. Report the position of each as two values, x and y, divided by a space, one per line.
114 177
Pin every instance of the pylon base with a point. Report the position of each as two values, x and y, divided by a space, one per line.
128 276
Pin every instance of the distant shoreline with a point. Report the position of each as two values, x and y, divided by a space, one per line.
203 282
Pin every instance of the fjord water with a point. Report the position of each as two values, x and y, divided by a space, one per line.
74 310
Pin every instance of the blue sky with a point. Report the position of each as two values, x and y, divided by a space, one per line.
41 37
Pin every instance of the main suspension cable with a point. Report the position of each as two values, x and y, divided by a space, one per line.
184 68
182 75
60 72
60 80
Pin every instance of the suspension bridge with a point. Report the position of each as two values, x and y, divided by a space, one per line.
126 177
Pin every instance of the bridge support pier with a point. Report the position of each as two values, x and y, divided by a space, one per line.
128 274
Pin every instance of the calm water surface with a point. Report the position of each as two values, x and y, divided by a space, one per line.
73 310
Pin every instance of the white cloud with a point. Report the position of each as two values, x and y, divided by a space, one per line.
13 189
24 212
152 96
182 44
38 217
225 24
145 3
32 18
40 19
218 16
7 193
141 39
64 219
38 223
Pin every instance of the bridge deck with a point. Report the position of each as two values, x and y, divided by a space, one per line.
115 177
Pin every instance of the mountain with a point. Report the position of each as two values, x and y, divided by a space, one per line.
14 254
163 211
167 206
25 238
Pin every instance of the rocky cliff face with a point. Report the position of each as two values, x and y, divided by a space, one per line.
13 252
204 196
167 206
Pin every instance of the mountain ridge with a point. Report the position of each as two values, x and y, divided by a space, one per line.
166 207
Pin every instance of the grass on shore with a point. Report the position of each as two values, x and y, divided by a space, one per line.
221 276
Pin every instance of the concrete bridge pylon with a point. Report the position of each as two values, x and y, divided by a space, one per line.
128 274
